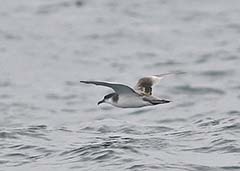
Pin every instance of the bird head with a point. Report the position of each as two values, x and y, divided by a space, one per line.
107 99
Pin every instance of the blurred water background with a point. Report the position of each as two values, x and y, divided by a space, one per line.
48 120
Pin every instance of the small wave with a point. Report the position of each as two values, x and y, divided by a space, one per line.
53 96
106 148
231 168
204 58
35 131
177 120
7 135
198 90
166 63
234 112
208 122
4 84
50 8
157 129
217 134
5 96
217 73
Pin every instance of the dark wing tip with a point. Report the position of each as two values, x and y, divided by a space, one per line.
86 82
167 101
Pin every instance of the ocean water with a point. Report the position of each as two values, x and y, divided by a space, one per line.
48 120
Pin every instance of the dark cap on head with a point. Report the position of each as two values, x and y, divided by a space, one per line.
109 96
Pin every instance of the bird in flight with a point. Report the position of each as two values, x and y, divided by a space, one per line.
127 97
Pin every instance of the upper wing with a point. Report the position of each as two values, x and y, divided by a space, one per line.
118 88
144 85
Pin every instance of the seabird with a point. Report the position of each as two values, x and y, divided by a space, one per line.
127 97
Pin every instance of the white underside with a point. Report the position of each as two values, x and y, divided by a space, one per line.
130 101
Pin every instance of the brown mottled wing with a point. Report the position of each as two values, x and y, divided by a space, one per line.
118 88
144 85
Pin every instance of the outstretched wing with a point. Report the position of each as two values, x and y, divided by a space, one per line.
118 88
144 85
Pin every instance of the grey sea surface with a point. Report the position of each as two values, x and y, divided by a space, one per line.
49 121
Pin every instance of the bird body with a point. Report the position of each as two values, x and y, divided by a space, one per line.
127 97
133 101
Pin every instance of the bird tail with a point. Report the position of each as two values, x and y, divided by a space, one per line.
156 102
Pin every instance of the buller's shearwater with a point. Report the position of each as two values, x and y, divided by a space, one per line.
127 97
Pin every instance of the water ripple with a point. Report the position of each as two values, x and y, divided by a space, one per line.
194 90
52 8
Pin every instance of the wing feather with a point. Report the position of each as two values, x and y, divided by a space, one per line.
145 84
118 88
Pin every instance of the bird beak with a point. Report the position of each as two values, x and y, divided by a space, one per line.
102 101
